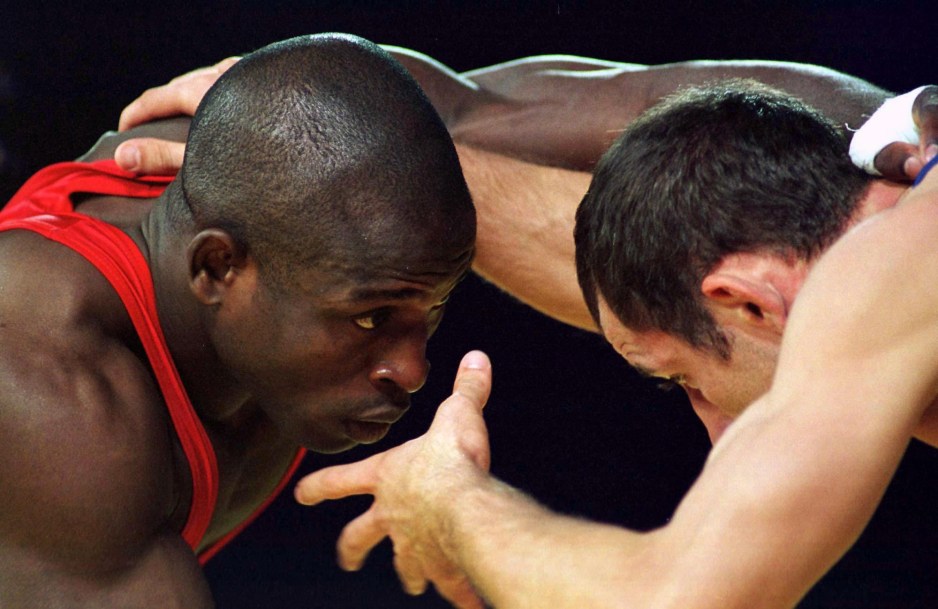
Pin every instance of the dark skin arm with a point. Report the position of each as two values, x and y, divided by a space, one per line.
566 111
555 109
528 132
85 447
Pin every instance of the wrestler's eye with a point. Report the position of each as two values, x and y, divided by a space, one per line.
671 383
372 319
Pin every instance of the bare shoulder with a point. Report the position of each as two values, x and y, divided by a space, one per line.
85 451
865 324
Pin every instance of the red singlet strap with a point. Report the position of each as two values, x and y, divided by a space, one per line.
117 257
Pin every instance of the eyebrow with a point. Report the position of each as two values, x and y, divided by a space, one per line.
360 294
368 293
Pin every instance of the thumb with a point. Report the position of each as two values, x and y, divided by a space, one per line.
150 156
474 379
459 417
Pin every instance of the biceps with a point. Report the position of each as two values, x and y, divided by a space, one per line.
165 574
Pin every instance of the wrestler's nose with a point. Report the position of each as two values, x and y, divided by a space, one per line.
404 364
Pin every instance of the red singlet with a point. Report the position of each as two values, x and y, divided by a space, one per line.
43 205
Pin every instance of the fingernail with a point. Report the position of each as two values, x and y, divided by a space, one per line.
475 360
128 157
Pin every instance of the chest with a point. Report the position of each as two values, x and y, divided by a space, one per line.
251 462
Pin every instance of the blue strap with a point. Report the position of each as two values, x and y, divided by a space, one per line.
925 169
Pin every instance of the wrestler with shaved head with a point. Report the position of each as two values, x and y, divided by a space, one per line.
171 346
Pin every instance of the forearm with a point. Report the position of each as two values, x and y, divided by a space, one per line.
783 496
524 243
551 114
722 553
520 555
843 98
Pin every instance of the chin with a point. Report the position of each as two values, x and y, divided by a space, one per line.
320 438
328 446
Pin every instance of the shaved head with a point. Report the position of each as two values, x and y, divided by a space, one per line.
322 152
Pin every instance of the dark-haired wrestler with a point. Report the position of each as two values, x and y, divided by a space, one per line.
793 481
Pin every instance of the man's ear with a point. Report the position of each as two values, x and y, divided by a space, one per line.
216 260
751 289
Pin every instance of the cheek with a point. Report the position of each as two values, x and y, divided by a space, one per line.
320 357
734 393
750 373
714 419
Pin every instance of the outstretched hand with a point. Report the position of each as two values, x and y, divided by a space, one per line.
180 96
412 485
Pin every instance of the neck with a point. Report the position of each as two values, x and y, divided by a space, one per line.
215 395
880 195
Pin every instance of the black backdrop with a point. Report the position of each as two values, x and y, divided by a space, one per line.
570 423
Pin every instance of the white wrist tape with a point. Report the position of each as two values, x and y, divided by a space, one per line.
892 122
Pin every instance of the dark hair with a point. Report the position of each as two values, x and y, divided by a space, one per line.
317 150
729 167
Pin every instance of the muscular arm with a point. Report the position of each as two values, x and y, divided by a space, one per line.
529 131
784 494
565 111
85 454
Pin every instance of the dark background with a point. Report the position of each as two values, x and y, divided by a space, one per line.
571 424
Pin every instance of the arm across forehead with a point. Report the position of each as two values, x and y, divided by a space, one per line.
565 111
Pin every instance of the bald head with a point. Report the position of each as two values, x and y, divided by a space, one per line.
322 152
